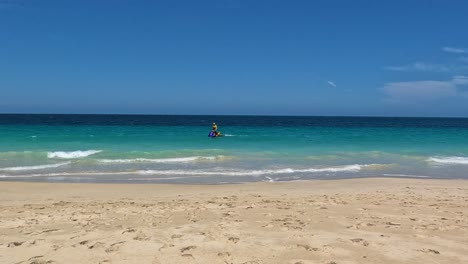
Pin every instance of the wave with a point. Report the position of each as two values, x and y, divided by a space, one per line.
38 167
379 166
269 179
449 160
406 176
167 160
348 168
71 154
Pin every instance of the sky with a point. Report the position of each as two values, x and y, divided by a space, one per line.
262 57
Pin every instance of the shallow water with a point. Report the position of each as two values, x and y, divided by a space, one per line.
176 149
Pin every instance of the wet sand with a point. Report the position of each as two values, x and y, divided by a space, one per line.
331 222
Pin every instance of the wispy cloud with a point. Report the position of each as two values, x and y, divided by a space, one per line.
454 50
424 90
420 66
460 80
331 83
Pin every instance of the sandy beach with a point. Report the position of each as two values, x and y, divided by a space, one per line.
331 222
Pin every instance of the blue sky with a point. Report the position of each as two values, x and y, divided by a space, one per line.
371 58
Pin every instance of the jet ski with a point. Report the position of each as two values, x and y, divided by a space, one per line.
214 134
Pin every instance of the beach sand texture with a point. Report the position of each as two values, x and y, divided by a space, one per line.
328 222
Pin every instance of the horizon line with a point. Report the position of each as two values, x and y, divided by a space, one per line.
272 115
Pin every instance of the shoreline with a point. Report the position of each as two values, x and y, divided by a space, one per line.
367 220
116 182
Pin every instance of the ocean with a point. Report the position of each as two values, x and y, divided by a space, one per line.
177 149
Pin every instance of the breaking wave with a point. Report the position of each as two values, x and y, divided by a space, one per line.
38 167
71 154
449 160
348 168
167 160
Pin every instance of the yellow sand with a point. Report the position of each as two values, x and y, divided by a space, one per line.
339 221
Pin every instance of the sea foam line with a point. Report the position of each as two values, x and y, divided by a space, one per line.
167 160
406 176
38 167
250 172
449 160
349 168
71 154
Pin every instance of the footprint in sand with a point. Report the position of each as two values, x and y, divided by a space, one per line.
301 262
35 242
39 260
166 246
96 245
176 236
234 239
115 246
224 254
428 250
307 247
130 230
361 241
141 237
56 247
15 244
187 248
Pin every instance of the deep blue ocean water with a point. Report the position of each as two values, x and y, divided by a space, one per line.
176 149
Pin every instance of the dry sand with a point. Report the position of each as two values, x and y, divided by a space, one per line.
340 221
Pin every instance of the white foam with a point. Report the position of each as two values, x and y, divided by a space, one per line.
349 168
269 179
61 174
449 160
71 154
38 167
406 175
167 160
377 166
160 179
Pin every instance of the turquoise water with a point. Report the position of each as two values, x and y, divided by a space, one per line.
162 149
